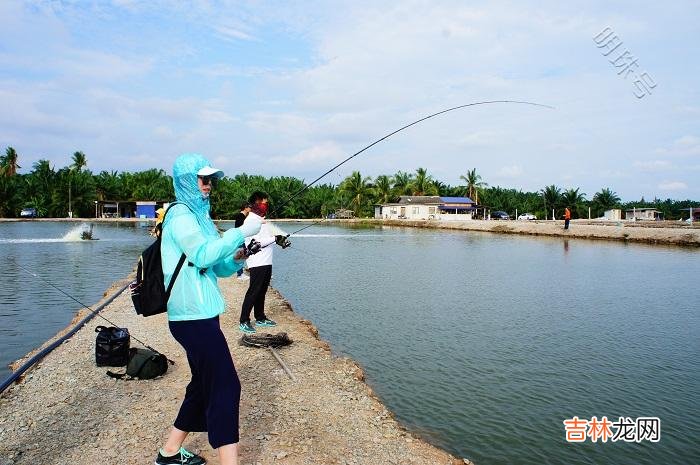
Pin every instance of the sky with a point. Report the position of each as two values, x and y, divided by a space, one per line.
293 88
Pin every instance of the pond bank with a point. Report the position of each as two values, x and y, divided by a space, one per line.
651 232
66 410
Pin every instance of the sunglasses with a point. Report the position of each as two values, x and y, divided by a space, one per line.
209 180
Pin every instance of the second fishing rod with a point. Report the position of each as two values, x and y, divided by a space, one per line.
279 207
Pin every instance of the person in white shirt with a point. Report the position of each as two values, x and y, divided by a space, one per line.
260 264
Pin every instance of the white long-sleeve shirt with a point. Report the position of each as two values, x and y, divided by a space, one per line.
266 237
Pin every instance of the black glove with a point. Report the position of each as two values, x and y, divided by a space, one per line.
282 241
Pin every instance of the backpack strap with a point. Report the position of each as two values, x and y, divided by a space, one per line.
114 375
172 278
182 257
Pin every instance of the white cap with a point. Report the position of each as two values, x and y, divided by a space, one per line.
209 171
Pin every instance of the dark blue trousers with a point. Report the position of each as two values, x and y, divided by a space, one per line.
214 393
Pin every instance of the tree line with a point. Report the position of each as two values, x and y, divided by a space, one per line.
53 192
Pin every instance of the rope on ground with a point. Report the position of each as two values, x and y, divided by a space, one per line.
270 341
266 340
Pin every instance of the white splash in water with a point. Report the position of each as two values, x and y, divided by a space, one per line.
74 235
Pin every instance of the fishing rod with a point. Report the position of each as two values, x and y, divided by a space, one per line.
487 102
95 313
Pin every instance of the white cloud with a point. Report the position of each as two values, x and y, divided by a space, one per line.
317 157
652 165
512 172
229 32
278 91
673 186
687 145
163 132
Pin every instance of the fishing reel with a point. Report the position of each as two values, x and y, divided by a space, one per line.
282 241
252 248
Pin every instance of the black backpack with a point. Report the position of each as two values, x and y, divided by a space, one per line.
148 291
112 346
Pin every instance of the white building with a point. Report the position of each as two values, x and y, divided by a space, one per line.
614 214
644 214
427 207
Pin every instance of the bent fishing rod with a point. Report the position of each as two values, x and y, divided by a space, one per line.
84 306
487 102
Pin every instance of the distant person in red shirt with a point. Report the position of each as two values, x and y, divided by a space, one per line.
567 217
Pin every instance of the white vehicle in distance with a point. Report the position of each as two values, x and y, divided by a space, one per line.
527 216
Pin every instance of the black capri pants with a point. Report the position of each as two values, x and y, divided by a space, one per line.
213 395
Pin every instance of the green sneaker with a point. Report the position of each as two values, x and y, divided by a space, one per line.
266 323
246 327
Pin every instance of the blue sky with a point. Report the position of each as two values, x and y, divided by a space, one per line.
293 88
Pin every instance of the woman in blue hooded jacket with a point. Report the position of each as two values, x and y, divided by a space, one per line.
212 397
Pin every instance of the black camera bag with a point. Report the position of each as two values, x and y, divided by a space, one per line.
112 346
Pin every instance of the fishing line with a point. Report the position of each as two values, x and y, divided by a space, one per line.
488 102
82 304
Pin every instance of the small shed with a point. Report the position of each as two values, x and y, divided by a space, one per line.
146 209
643 214
614 214
344 213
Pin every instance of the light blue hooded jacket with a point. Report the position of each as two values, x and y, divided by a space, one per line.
195 295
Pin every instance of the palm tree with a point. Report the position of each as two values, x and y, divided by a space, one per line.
9 196
107 185
474 183
551 196
605 200
402 183
423 183
574 199
382 188
8 162
359 190
79 161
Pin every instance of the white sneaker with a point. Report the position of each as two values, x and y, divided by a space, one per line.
243 277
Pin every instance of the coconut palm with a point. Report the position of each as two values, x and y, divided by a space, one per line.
605 200
107 185
359 189
79 161
8 162
474 184
382 189
551 196
423 183
9 196
402 183
574 199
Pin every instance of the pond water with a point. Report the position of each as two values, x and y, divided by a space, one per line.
483 344
33 311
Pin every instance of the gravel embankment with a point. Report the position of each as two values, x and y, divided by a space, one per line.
67 411
649 232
